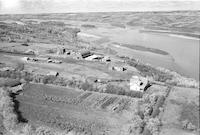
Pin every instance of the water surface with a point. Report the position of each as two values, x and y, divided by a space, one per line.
183 52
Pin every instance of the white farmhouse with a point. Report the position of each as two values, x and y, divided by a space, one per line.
138 83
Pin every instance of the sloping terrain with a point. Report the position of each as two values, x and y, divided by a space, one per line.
181 113
70 109
52 76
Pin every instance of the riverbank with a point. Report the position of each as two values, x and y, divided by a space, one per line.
160 74
173 33
143 48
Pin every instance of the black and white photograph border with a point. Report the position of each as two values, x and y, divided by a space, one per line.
99 67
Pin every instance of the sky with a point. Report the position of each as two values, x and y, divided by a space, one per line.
64 6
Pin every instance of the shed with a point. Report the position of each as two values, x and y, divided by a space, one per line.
61 51
106 59
118 68
49 61
57 61
85 54
94 57
54 61
24 44
17 89
29 51
26 58
53 73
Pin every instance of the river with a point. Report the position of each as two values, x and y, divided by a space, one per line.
183 52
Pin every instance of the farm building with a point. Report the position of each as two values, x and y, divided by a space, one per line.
53 73
17 88
106 59
32 59
68 53
24 44
29 59
138 83
30 51
54 61
25 58
118 68
94 57
61 51
85 54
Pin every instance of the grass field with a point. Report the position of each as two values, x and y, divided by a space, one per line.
185 104
70 109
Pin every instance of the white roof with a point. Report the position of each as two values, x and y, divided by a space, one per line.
54 73
138 83
93 57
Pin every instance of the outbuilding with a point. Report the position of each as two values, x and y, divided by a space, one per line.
118 68
30 51
61 51
106 59
53 73
26 58
85 54
94 57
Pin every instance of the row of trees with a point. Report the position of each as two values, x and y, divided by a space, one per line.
74 83
162 74
14 127
10 120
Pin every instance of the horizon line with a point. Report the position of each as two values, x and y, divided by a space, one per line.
84 12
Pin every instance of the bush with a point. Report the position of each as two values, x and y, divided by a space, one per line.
3 99
134 94
43 131
51 51
49 79
153 126
27 77
28 130
10 83
112 89
115 90
156 108
10 121
86 86
120 25
19 66
7 110
88 26
147 110
163 75
6 105
146 131
147 70
60 81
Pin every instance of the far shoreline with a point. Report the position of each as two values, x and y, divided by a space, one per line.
173 33
143 48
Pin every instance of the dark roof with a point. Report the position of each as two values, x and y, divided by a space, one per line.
85 54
